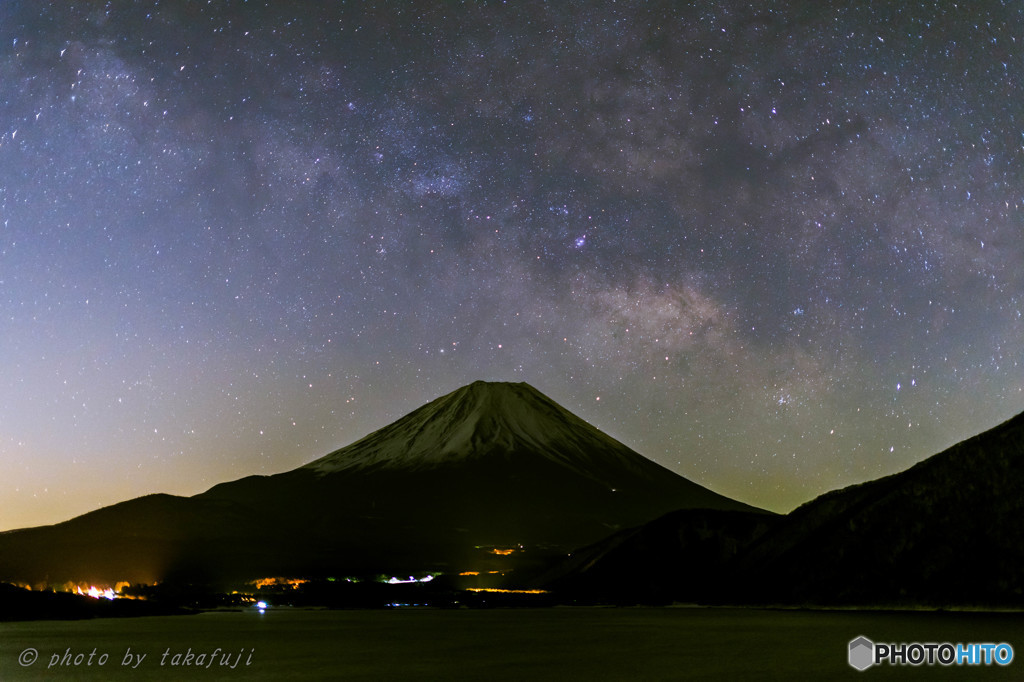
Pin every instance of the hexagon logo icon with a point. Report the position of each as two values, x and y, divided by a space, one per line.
862 653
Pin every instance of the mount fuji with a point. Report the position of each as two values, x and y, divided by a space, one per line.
461 484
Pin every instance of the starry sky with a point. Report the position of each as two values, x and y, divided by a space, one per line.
776 247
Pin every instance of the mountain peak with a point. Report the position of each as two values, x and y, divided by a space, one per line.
512 436
491 392
478 419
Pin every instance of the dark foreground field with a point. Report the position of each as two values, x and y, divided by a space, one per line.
497 644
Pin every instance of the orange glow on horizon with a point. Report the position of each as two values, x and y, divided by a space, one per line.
94 591
293 583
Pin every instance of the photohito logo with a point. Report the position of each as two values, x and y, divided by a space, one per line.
863 653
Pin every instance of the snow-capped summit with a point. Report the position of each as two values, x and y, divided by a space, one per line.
480 420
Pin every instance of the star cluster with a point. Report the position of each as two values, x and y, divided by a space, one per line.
775 248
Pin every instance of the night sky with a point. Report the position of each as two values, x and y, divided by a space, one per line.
778 249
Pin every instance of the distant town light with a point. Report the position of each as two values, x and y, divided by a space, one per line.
97 593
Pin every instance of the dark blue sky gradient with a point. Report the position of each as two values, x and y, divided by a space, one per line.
777 250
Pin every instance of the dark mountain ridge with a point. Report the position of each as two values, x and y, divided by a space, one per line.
948 531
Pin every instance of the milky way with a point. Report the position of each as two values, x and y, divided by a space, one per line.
777 250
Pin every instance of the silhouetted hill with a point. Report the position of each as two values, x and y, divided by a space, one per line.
677 557
949 531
